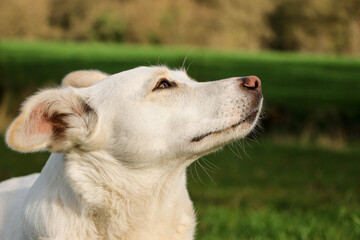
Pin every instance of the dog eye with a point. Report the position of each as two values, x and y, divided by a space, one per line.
163 83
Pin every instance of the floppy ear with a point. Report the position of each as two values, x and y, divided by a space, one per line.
83 78
58 119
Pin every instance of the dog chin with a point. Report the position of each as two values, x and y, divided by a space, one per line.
241 128
214 141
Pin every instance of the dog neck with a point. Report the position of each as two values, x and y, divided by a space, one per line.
115 201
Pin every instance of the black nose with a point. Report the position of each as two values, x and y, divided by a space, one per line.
252 83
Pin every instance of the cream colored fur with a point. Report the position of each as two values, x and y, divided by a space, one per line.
83 78
120 147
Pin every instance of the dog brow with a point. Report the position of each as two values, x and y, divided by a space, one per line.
162 72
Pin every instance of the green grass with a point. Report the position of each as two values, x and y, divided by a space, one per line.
301 90
279 189
13 164
275 191
280 192
289 80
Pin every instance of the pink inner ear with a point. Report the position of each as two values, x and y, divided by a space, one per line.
38 121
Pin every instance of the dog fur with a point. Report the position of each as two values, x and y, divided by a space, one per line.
120 147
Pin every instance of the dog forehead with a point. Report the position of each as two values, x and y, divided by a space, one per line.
134 83
146 75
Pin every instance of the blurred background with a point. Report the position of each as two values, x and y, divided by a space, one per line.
298 176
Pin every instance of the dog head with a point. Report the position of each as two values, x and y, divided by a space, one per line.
143 117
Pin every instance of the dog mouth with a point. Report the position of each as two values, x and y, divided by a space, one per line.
248 119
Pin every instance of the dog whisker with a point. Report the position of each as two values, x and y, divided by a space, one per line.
205 170
210 164
210 169
198 174
236 154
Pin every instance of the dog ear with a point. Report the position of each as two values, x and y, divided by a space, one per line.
83 78
57 119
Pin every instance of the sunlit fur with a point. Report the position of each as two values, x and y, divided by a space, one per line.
120 149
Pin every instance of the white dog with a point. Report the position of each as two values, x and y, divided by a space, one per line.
120 147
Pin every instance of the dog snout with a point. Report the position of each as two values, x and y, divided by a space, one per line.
250 83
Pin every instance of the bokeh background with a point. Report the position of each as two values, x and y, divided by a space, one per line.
297 176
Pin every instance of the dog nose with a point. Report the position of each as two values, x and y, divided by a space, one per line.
252 83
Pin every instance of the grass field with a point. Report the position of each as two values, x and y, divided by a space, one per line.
289 80
318 91
275 191
280 188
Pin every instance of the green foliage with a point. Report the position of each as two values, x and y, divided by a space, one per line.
108 29
301 25
65 14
